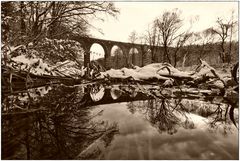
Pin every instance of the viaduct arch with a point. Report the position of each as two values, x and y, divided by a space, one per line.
107 45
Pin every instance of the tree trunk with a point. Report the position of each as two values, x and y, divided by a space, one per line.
142 58
165 53
23 26
175 60
175 55
166 57
53 30
184 60
230 45
222 53
152 54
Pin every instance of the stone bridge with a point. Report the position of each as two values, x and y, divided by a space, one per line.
141 58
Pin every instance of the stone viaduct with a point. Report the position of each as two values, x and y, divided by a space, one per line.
143 56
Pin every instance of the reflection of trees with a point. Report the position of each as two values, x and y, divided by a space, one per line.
131 107
61 131
161 116
159 113
220 115
164 114
222 119
22 99
168 115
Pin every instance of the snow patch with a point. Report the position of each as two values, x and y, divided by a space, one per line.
147 72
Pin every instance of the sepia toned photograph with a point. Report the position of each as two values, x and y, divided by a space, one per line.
119 80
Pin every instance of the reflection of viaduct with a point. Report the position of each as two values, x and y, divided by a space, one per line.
141 58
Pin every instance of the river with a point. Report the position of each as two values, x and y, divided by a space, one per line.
60 122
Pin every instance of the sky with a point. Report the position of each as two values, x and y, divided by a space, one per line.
136 16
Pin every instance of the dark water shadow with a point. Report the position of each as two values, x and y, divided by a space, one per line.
54 126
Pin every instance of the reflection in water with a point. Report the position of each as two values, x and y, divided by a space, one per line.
145 135
60 131
162 115
217 114
168 115
59 122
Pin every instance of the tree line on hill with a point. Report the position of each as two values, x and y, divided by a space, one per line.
188 55
179 42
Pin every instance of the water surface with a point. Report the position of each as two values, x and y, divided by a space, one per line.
138 138
60 122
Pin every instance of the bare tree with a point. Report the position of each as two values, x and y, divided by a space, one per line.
223 30
168 25
9 20
165 31
204 38
143 48
232 32
152 38
43 19
133 37
190 42
182 38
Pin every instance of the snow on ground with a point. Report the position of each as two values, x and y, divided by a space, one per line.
38 67
156 70
69 68
140 74
35 65
114 73
137 75
164 68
